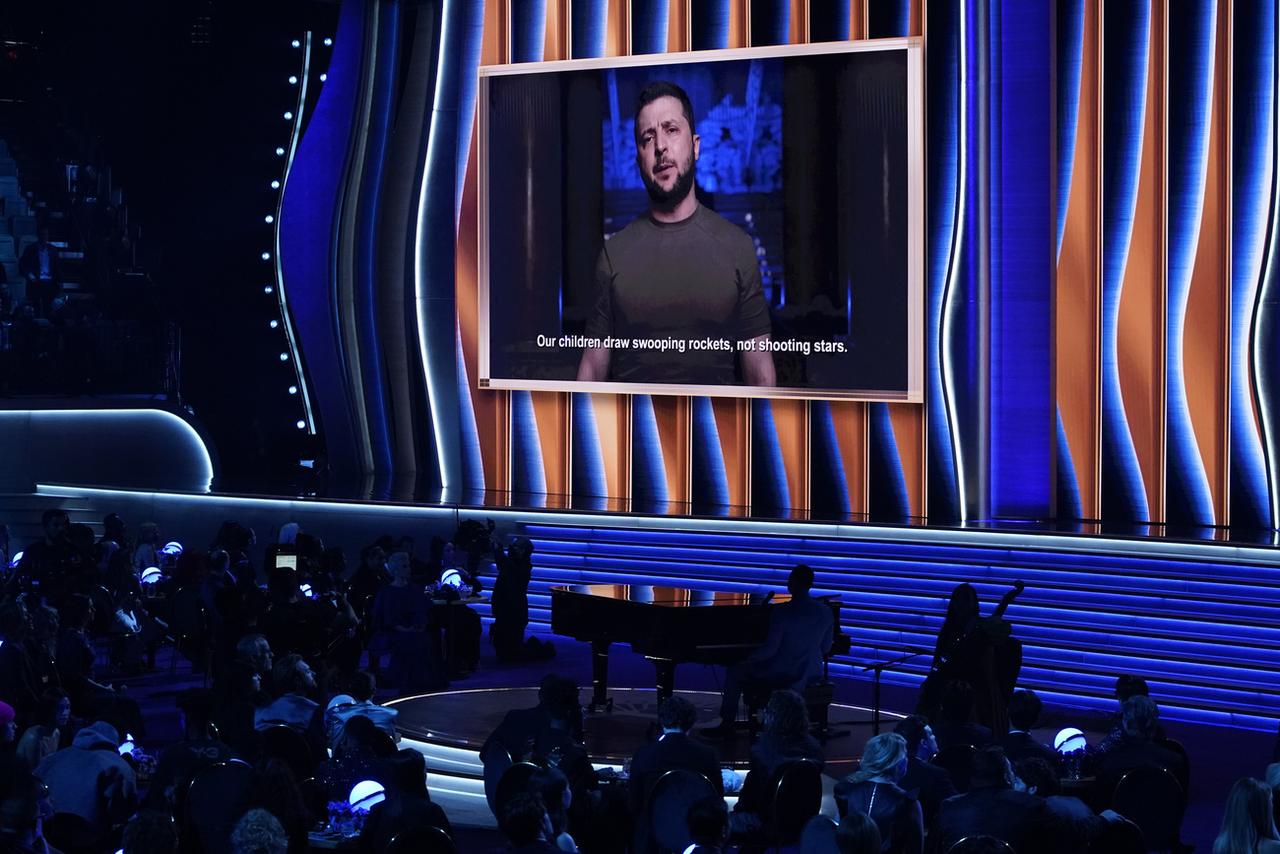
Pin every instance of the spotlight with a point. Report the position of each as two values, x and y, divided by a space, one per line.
288 117
297 43
279 152
328 42
324 77
293 389
267 289
284 357
274 324
293 81
266 256
302 425
268 219
275 185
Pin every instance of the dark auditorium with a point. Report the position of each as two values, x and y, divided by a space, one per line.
640 427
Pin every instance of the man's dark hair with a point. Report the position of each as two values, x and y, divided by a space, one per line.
800 579
957 701
1024 710
286 676
1034 771
408 772
53 513
708 820
677 713
521 819
988 767
363 685
150 832
662 89
560 698
1139 716
912 729
1131 686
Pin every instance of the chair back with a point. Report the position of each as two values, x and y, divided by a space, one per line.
982 844
669 802
315 797
957 759
512 782
1119 837
1175 746
68 831
290 747
1152 799
423 840
496 762
218 796
797 797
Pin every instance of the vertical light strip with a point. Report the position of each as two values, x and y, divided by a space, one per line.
953 265
1262 388
283 302
433 143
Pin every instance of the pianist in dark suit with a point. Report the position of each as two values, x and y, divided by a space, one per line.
799 636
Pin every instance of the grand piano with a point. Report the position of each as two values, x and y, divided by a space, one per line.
667 625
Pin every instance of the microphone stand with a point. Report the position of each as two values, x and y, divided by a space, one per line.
878 668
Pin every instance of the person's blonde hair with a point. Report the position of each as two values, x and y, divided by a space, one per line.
1246 819
881 756
1273 776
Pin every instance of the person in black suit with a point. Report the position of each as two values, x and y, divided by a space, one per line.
674 750
924 781
992 807
1140 718
407 806
1024 711
524 733
955 726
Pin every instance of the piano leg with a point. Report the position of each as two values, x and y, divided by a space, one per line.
600 700
665 672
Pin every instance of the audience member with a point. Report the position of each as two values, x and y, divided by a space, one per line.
150 832
1126 686
525 823
275 789
90 778
354 759
259 832
1273 783
784 739
1247 823
673 750
956 725
873 791
199 748
293 706
924 781
528 733
708 821
43 272
24 807
992 807
1079 825
407 806
800 632
17 677
1024 713
552 786
858 834
401 615
1140 718
49 732
75 659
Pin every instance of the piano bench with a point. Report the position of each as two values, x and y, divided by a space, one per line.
818 697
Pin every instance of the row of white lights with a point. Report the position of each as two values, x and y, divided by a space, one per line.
270 219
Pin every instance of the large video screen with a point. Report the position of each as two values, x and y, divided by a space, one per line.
742 223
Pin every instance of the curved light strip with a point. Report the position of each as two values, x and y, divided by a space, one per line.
1257 344
953 265
286 319
433 142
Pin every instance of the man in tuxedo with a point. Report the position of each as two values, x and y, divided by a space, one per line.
800 632
1024 711
992 807
673 750
926 782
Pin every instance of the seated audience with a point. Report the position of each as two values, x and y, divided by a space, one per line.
199 748
873 790
1140 718
924 781
150 832
354 759
956 725
525 823
858 834
293 707
90 699
259 832
401 618
800 633
1273 783
1018 743
18 683
526 733
673 750
24 807
363 686
552 786
49 732
708 826
785 739
1079 825
1247 823
1126 686
407 806
992 807
90 778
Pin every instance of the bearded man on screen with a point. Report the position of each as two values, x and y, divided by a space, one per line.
681 273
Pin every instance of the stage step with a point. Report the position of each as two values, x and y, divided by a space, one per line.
1203 627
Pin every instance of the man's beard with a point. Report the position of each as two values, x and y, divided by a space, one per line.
666 200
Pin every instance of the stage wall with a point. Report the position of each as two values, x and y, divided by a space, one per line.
1100 270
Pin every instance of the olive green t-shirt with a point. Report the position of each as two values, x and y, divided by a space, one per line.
696 281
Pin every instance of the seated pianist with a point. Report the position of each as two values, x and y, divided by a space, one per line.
800 635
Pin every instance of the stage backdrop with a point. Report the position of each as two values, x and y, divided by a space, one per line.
1100 279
